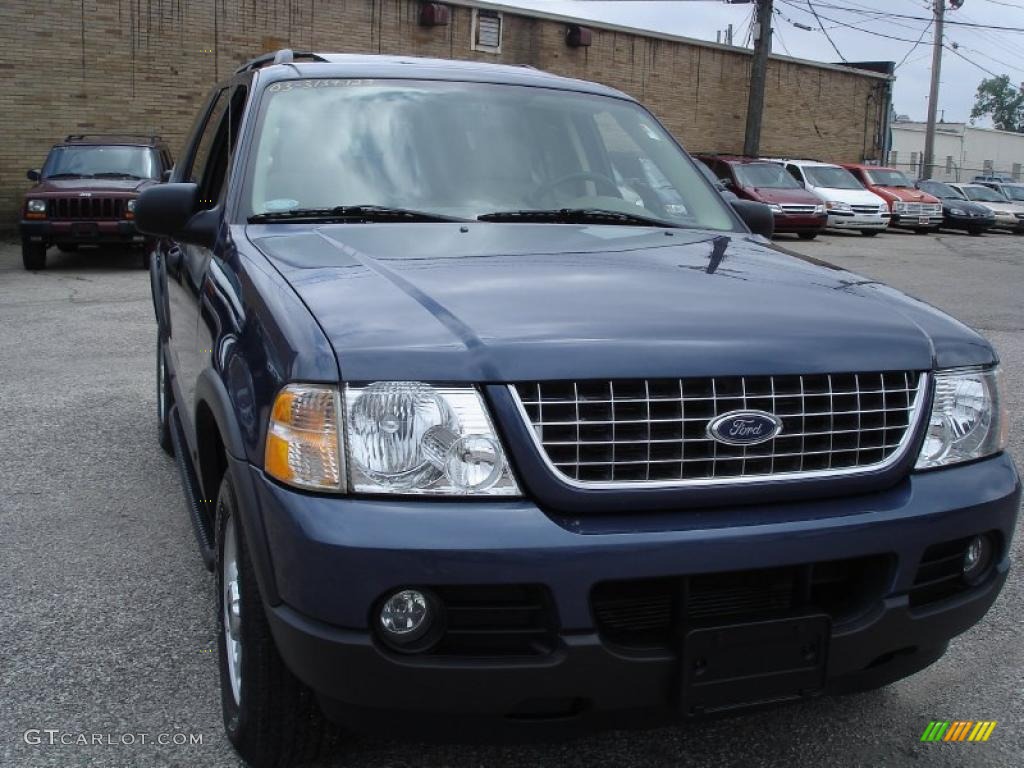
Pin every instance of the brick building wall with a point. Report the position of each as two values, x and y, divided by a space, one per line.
71 66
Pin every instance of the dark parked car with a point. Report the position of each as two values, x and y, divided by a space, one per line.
957 211
470 436
796 210
85 194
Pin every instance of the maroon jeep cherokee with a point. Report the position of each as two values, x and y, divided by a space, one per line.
796 210
85 194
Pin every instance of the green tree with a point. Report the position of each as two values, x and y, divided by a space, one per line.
1003 101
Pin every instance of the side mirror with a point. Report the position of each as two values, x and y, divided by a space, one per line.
33 175
172 211
757 216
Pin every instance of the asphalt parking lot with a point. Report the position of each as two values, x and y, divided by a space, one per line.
106 618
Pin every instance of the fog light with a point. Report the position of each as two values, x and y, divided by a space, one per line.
406 616
977 559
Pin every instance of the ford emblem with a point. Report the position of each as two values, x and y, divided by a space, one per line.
744 427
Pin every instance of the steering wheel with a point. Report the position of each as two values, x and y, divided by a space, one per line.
600 180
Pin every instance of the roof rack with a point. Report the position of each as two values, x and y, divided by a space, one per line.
94 136
283 56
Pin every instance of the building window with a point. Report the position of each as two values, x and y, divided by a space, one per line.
949 163
894 157
486 30
1016 172
988 166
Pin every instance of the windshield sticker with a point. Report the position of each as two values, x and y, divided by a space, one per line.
280 204
298 85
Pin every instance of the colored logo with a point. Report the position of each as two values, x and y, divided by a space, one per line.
958 730
744 428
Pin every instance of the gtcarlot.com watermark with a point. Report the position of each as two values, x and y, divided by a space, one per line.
57 737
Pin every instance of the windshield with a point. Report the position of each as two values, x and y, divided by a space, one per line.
765 176
468 149
885 177
138 162
984 195
831 177
1014 192
941 190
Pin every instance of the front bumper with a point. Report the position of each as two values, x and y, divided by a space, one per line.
857 221
785 222
916 221
81 232
1008 221
953 221
330 560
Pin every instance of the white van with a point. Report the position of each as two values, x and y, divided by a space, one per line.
849 204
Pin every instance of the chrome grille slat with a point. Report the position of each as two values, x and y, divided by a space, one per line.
654 431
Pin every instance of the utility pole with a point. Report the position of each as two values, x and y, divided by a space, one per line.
758 72
933 94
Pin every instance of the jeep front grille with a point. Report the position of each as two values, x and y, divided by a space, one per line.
86 208
630 432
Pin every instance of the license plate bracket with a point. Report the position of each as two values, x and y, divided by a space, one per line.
923 220
85 229
746 664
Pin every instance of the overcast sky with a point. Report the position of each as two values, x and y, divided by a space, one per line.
998 51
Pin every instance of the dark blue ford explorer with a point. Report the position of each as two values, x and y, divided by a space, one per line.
489 409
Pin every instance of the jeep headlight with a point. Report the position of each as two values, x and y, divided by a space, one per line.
130 207
37 205
397 437
968 419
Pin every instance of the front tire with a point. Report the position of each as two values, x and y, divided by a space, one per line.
33 255
270 717
164 400
869 232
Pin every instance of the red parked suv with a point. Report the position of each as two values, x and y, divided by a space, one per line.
85 194
910 208
796 210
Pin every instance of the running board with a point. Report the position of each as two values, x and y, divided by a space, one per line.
190 483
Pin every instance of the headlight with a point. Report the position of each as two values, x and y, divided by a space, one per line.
819 209
131 206
899 206
410 437
775 208
883 208
958 211
397 437
835 205
968 420
36 206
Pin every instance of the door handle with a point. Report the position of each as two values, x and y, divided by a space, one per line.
174 258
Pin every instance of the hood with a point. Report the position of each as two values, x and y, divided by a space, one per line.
74 187
772 195
518 302
851 196
976 209
1000 207
903 194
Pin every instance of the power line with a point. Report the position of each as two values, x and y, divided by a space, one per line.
954 51
851 26
971 24
914 46
827 35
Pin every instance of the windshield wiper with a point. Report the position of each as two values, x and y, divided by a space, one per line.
578 216
350 214
70 176
115 175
